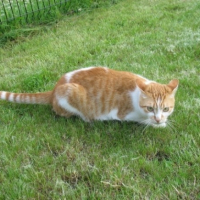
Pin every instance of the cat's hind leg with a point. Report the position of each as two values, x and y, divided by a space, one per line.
71 98
59 110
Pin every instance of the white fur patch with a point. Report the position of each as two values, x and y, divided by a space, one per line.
18 99
3 95
33 100
135 97
158 112
137 114
69 75
142 77
162 125
11 97
27 99
112 115
106 69
133 116
148 82
64 104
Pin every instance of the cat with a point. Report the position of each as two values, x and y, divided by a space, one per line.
100 93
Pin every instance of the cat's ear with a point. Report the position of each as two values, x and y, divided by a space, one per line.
173 84
141 84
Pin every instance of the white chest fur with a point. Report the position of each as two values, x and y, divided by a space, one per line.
112 115
137 114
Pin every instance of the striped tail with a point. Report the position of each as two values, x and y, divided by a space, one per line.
27 98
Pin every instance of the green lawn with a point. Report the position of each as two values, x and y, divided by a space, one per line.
43 156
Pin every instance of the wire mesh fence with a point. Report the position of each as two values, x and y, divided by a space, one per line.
24 10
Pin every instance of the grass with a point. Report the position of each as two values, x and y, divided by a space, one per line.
18 18
42 10
48 157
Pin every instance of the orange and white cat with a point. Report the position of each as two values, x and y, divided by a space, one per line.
99 93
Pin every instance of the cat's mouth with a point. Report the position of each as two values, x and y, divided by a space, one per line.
159 125
155 124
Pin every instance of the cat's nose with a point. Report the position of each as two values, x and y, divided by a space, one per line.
157 119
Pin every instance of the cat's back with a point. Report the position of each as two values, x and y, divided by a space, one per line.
96 93
102 78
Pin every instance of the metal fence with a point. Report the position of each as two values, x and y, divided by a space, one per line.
24 10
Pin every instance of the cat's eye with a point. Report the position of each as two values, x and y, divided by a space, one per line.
166 109
150 109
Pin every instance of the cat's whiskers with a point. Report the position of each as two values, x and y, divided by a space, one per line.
173 122
171 126
147 123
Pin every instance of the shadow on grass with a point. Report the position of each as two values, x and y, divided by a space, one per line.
112 135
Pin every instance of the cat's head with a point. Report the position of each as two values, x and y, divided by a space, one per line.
157 101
